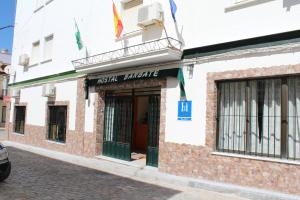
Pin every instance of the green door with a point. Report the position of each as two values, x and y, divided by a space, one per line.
118 127
153 132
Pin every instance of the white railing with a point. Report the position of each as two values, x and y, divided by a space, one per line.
139 49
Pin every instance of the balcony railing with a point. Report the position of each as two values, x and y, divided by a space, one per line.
127 52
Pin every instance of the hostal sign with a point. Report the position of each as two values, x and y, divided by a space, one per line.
135 75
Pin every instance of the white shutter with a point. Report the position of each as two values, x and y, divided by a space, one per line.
48 48
35 53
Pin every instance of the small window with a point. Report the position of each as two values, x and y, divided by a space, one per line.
48 48
129 15
19 119
57 123
3 114
35 53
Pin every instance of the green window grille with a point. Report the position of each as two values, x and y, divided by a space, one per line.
153 132
118 127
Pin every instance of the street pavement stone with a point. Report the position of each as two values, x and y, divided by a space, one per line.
41 178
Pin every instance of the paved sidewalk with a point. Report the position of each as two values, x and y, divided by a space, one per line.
188 188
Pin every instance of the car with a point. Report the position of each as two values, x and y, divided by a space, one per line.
5 165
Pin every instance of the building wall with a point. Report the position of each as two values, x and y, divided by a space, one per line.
193 132
208 24
211 24
65 91
189 148
186 147
68 93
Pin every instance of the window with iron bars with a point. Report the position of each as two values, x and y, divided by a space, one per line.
3 114
260 117
19 119
57 123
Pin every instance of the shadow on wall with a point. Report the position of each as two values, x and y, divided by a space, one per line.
290 3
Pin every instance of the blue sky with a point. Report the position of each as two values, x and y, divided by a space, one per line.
7 15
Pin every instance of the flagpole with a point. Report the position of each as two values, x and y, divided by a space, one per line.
166 34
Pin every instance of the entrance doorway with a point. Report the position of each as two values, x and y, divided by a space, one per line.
140 127
131 125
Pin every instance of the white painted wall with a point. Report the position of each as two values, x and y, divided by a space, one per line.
193 132
200 22
36 104
205 22
67 91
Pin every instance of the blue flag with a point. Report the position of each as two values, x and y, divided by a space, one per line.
173 9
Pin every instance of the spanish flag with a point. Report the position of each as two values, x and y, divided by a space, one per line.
117 21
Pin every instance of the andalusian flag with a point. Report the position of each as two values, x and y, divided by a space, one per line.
180 78
117 22
78 37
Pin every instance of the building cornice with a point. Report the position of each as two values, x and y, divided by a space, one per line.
263 42
45 79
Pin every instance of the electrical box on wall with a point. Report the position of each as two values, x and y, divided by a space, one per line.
150 15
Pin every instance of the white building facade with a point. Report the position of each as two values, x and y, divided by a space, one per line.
121 97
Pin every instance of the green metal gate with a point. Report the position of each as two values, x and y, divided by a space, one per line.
153 132
118 127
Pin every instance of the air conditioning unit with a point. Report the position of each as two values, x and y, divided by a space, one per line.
150 14
24 60
15 93
48 90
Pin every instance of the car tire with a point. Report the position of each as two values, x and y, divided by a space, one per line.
6 173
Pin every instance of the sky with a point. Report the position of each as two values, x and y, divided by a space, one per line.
7 15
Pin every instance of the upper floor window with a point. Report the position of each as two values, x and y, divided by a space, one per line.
260 117
35 53
129 15
48 44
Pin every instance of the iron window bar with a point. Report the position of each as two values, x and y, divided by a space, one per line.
57 123
139 49
260 117
19 125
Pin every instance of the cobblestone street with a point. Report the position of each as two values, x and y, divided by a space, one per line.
37 177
